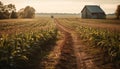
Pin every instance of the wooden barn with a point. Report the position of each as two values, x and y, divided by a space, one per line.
93 12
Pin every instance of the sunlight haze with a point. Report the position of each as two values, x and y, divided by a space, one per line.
64 6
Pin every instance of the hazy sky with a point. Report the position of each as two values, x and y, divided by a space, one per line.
64 6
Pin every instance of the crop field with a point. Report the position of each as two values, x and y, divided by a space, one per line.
111 25
96 33
59 43
21 38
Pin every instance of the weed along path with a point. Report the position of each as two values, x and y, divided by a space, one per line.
73 55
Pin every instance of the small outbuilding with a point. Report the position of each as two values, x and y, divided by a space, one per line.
93 12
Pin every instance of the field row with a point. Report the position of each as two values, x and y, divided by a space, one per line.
111 25
12 27
18 45
105 39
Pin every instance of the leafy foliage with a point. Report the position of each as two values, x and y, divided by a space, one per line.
108 40
27 12
118 12
17 49
9 11
13 14
6 10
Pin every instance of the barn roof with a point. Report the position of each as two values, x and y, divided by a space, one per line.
93 9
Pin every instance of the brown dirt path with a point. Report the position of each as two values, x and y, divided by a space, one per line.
62 55
51 60
83 60
67 59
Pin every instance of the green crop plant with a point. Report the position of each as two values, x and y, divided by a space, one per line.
16 50
102 35
108 41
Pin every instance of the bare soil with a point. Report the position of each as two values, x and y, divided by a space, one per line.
82 59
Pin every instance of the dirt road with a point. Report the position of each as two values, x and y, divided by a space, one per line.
71 53
83 60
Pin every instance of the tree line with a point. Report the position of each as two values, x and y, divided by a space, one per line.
9 11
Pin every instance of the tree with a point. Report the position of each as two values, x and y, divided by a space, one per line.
27 12
21 13
6 10
13 14
11 7
6 14
118 12
1 10
1 3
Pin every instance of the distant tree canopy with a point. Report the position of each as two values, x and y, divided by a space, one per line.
13 14
9 11
27 12
6 11
118 12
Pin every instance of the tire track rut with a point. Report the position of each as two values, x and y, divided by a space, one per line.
67 59
83 60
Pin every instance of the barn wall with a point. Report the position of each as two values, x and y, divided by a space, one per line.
84 13
94 15
98 16
89 15
101 16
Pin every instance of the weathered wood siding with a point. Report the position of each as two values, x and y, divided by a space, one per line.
86 13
